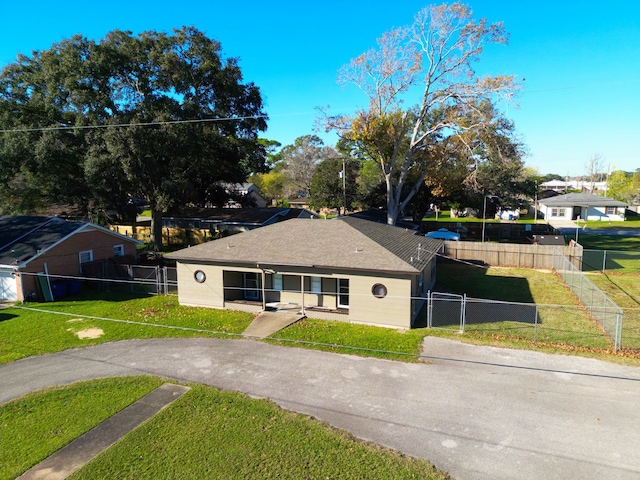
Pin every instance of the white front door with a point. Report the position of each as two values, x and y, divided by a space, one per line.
8 288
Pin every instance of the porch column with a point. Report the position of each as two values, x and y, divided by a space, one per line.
264 297
302 288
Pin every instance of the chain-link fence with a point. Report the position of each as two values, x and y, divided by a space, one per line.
604 310
610 261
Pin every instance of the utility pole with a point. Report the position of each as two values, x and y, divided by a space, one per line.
344 188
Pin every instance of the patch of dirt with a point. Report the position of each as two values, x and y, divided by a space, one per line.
90 333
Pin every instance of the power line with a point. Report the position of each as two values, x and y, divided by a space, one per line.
140 124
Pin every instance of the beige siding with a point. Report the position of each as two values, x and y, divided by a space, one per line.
207 294
394 310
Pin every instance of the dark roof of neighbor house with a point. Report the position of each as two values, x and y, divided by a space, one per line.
345 243
549 240
581 200
24 237
240 216
379 215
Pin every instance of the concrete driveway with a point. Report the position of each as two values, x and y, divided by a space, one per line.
477 412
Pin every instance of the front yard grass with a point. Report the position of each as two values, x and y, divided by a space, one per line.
185 440
26 332
562 324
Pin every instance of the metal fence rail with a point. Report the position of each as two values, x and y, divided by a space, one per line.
604 310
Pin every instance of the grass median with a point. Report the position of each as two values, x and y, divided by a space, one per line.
205 434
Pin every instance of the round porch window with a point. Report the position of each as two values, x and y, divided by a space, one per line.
379 290
199 276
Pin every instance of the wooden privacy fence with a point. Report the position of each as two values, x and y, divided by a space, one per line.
512 254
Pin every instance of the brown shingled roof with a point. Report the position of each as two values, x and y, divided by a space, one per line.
352 244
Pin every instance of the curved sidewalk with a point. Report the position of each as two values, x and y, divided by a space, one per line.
477 412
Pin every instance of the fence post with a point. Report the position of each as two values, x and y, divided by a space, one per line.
463 312
535 326
165 277
130 273
158 279
429 324
604 260
618 340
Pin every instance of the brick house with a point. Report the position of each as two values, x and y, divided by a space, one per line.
37 244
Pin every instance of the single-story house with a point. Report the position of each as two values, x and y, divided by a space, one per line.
37 244
248 190
584 206
346 269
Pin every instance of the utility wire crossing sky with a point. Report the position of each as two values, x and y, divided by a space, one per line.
580 61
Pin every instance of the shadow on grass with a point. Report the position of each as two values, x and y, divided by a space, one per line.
88 294
6 316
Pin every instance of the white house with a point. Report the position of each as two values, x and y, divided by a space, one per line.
584 206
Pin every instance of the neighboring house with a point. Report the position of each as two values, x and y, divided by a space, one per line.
35 244
248 190
583 185
346 269
231 220
584 206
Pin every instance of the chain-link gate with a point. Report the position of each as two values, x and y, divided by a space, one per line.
445 311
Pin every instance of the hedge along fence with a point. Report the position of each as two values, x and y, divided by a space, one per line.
512 254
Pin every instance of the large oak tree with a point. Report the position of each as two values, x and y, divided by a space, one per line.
162 116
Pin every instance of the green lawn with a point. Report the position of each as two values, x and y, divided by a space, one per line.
27 332
624 290
561 320
37 425
206 433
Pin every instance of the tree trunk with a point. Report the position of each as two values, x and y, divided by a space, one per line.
392 207
156 230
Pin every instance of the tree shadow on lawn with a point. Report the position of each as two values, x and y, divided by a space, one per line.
490 298
473 281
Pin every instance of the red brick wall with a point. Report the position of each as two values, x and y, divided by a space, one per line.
63 259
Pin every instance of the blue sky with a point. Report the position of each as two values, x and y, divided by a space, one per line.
580 60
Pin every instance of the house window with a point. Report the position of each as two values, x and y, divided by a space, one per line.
558 212
380 291
85 256
316 285
118 250
277 282
343 293
199 276
610 210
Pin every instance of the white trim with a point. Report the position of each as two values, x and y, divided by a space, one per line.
118 250
80 261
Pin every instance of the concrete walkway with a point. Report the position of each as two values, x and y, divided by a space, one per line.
476 412
79 452
268 323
